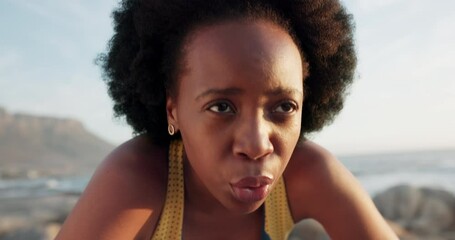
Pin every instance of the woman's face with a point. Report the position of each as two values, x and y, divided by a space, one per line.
238 108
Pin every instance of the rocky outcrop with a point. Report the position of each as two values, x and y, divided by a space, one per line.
38 218
424 212
45 232
413 213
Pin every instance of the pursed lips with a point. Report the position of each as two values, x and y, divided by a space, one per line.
251 189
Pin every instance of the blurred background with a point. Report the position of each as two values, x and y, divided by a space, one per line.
396 132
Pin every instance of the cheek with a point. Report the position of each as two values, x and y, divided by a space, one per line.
287 137
202 127
291 126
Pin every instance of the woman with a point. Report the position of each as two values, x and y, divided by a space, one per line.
221 95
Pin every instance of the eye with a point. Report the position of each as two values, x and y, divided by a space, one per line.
221 107
286 107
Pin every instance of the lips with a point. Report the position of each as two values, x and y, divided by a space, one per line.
251 189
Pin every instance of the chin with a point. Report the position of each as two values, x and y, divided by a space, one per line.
245 208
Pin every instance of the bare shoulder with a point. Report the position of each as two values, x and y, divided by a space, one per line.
125 196
320 187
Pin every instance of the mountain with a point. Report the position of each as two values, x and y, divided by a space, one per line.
35 145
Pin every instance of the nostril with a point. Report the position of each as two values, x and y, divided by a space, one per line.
243 155
253 151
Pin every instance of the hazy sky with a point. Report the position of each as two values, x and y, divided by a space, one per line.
403 97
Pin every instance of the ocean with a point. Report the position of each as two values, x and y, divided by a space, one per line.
376 173
435 169
42 187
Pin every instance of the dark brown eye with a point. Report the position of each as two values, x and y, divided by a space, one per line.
221 107
286 107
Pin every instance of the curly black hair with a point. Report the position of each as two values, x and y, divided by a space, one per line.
142 60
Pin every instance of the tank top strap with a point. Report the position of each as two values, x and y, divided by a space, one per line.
171 219
278 218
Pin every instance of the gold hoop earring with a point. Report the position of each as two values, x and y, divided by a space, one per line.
171 129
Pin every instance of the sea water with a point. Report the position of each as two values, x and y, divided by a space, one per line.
435 169
376 173
41 187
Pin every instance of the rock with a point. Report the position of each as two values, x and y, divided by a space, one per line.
401 232
397 229
38 232
422 211
436 212
34 218
7 224
399 203
52 230
25 233
309 229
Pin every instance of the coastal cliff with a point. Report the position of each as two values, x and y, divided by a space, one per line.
33 146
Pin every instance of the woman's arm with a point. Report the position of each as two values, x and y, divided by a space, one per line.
124 198
320 187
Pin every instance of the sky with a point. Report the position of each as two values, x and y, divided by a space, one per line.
403 97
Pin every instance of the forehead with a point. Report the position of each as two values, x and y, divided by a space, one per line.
254 49
247 43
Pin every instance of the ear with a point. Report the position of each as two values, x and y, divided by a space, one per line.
171 112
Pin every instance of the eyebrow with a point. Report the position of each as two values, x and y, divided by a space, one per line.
237 91
280 90
217 91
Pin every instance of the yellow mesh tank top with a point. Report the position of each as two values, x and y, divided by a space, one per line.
278 220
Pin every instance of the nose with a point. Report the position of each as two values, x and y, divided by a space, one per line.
252 138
